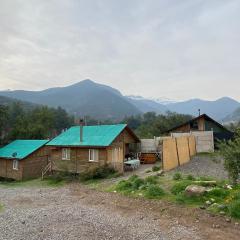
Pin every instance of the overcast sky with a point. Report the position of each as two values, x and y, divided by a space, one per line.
178 49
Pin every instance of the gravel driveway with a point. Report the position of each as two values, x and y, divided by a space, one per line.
204 166
77 212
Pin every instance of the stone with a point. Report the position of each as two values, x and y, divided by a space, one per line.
195 190
228 220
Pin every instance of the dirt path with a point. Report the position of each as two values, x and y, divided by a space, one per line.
77 212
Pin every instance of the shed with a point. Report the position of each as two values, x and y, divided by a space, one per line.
23 159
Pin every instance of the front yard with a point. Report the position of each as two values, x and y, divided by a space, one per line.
151 205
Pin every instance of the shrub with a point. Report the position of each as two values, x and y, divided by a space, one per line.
177 176
218 192
151 180
190 177
234 209
98 173
133 178
156 168
137 183
154 191
230 152
180 187
124 185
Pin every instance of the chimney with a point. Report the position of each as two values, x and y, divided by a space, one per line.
81 124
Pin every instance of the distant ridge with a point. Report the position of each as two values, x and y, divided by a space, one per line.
88 98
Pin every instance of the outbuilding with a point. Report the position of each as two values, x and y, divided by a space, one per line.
23 159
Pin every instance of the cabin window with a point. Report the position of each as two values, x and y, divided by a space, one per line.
15 164
66 153
93 155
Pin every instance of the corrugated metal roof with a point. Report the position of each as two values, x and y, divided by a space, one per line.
21 148
99 135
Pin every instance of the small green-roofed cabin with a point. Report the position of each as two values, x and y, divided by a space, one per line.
84 147
23 159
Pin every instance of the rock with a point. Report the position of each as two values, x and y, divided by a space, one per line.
160 173
236 224
23 222
228 220
222 213
208 203
195 190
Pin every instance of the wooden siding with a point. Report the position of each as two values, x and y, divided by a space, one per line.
30 167
79 160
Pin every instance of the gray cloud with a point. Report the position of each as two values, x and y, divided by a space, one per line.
177 49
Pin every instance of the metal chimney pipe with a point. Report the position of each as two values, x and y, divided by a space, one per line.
81 124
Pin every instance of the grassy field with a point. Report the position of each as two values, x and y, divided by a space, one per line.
220 197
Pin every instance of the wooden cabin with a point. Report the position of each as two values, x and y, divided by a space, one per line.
23 159
83 147
204 123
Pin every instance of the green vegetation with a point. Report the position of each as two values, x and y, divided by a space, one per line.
148 187
38 122
99 173
180 186
1 207
231 152
219 197
156 168
177 176
150 124
234 209
153 192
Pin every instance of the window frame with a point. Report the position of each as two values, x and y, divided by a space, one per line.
15 165
95 154
66 154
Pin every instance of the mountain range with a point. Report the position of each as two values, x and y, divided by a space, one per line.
87 98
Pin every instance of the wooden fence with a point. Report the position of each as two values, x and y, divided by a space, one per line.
178 151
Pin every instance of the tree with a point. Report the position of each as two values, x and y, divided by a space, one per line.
231 153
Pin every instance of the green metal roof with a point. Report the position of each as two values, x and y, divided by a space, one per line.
20 149
99 135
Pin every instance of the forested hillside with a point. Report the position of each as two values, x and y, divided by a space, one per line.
39 122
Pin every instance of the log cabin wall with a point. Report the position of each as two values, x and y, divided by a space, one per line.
7 171
34 163
79 159
30 167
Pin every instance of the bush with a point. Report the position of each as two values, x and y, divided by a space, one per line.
156 168
218 192
124 185
97 173
154 191
177 176
234 209
151 180
137 183
190 177
180 187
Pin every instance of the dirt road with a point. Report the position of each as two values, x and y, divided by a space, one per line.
77 212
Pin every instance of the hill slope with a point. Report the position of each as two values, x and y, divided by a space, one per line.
85 98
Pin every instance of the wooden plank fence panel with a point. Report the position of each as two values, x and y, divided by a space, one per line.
192 146
183 150
170 155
